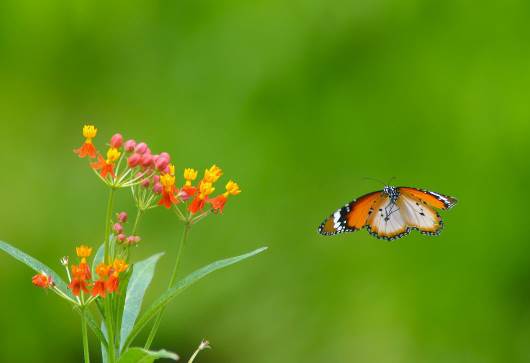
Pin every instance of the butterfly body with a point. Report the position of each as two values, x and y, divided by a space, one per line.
390 213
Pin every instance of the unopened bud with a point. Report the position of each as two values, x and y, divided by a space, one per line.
116 141
122 217
121 237
157 188
129 145
141 148
118 228
134 160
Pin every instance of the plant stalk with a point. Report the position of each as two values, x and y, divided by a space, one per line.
85 337
107 225
172 279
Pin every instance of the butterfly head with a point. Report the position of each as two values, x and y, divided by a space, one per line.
392 192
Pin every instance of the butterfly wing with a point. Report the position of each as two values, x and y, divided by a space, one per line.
387 221
417 214
433 199
352 216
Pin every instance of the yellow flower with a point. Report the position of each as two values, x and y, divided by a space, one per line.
89 132
190 175
171 169
119 265
112 155
232 189
205 190
213 174
83 251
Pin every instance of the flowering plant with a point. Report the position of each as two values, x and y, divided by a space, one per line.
104 286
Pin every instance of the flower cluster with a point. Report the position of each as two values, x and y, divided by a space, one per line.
81 277
198 195
142 166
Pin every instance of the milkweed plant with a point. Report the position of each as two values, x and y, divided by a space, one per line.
103 285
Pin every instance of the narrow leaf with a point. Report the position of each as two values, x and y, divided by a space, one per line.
180 286
139 355
139 281
35 265
98 258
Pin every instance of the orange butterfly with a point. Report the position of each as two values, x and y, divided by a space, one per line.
390 213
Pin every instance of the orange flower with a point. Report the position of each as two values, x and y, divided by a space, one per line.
219 202
112 284
42 280
189 175
77 285
87 149
205 189
103 270
106 166
81 272
99 289
169 190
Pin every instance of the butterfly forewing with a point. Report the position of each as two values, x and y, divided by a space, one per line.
352 216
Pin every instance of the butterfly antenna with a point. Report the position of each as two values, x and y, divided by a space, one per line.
390 181
375 179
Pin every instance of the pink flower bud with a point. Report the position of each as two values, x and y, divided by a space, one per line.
147 160
130 145
141 148
157 188
122 217
165 156
145 183
166 170
116 140
118 228
161 163
121 237
156 178
132 240
134 160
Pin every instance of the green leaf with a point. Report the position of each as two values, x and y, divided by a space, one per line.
180 286
139 355
139 281
98 258
35 265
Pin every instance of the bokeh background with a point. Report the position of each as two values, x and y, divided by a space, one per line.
298 101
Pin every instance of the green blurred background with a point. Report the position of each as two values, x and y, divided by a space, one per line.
298 101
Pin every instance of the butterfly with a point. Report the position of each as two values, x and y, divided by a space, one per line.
390 213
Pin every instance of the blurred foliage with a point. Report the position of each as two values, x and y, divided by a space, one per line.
298 101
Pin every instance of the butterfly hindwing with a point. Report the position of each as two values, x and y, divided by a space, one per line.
418 215
387 221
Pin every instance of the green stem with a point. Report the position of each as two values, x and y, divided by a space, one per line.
107 225
85 337
110 331
108 307
135 225
174 274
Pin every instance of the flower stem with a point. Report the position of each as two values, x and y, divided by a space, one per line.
107 225
110 331
85 337
172 279
108 309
